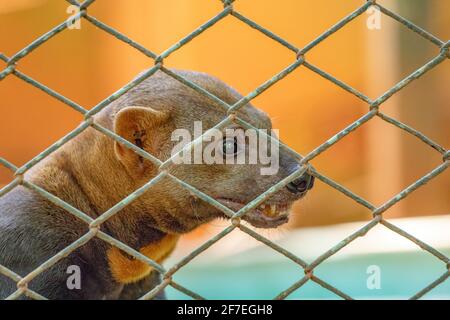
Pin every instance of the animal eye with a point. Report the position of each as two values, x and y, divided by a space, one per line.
230 146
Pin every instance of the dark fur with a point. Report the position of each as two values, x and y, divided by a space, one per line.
92 173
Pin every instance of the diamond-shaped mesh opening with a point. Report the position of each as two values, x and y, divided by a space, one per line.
235 53
245 268
344 46
352 267
425 93
337 209
98 51
300 126
375 164
299 60
299 14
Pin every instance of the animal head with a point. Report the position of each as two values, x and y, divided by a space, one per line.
161 115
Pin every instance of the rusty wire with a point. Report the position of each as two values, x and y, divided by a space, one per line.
298 60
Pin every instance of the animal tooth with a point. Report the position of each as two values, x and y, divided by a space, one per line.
273 209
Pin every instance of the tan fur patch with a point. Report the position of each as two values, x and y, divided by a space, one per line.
127 270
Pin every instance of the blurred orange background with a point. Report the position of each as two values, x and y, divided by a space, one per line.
375 162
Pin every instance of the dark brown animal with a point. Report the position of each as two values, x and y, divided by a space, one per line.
93 172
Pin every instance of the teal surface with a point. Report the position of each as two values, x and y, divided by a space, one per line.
244 277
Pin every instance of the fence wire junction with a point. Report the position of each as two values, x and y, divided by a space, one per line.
299 60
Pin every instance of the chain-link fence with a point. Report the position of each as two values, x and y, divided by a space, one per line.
298 60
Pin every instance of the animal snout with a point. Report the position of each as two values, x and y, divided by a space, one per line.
302 184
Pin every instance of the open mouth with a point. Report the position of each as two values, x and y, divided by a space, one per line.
266 215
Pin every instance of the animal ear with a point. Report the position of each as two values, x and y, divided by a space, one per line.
138 125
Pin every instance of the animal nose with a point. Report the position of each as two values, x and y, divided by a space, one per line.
301 184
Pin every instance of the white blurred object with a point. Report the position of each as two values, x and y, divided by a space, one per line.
309 243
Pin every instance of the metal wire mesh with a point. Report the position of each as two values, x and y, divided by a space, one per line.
299 60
